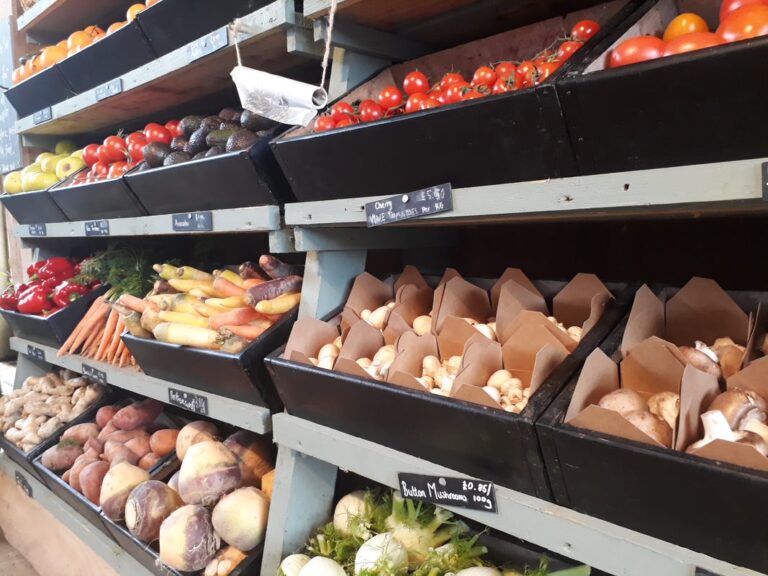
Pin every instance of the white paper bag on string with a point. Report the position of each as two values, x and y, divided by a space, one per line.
278 98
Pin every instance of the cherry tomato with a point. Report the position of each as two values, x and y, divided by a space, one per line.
484 76
473 94
584 30
546 69
346 121
173 127
324 123
691 42
684 24
430 103
90 154
527 72
136 150
637 49
746 22
416 82
341 111
136 137
451 78
370 111
414 102
455 91
438 95
116 148
390 97
729 6
117 169
100 169
504 70
157 133
103 155
568 49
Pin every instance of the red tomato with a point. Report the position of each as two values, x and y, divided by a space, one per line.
341 111
691 42
430 103
90 154
504 70
527 72
116 148
103 155
438 95
100 169
136 137
455 91
502 86
346 121
637 49
157 133
390 97
136 150
414 102
568 49
117 169
173 127
370 111
473 94
451 78
746 22
729 6
484 76
416 82
546 69
324 123
584 30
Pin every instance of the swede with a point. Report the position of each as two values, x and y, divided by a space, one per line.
240 518
254 453
209 471
187 540
292 565
148 505
118 483
321 566
382 553
194 433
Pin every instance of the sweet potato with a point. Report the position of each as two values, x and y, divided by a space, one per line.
139 446
65 476
163 442
117 486
61 457
105 414
107 430
255 454
116 452
95 445
81 433
149 460
124 436
91 479
74 472
138 414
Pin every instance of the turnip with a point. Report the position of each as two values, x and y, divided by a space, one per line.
209 471
187 540
292 565
240 518
320 566
118 483
193 433
148 505
381 555
479 571
350 515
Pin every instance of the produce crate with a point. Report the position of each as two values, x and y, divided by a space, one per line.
239 376
56 328
707 506
169 25
105 199
33 207
510 137
122 51
233 180
668 111
486 443
44 89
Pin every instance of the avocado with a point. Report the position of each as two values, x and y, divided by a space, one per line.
236 118
228 126
219 137
211 123
215 151
253 122
200 155
179 143
241 140
189 124
228 114
155 154
197 142
176 158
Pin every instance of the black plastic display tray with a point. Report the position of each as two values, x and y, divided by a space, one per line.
105 199
33 207
44 89
238 376
692 122
170 24
707 506
233 180
489 444
52 330
115 54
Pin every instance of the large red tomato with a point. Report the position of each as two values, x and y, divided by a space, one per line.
116 148
416 82
637 49
584 30
729 6
746 22
691 42
90 154
173 126
157 133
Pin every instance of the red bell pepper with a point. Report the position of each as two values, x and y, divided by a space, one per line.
56 267
53 310
32 269
68 292
9 300
34 300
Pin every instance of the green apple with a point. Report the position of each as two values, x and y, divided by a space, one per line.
32 168
12 182
37 181
78 154
49 164
69 166
43 156
65 147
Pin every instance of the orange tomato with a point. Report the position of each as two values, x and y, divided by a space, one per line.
78 40
93 30
63 44
31 67
747 22
685 24
151 2
52 55
133 11
18 75
115 26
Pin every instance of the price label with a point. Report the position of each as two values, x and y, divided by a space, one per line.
188 401
44 115
765 180
702 572
408 206
446 491
192 222
23 483
38 230
111 88
35 352
97 228
98 376
208 44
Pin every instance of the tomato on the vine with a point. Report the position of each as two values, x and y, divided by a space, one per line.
472 94
484 76
416 82
414 102
568 49
117 169
451 78
637 49
90 154
504 70
584 30
346 121
691 42
430 103
528 72
116 149
324 123
546 69
103 155
136 137
157 133
100 169
747 22
729 6
370 111
136 150
173 126
390 97
341 110
454 92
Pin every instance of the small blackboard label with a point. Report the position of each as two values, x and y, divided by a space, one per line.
23 483
111 88
44 115
35 352
38 230
98 376
97 228
208 44
702 572
193 402
408 206
765 180
446 491
192 222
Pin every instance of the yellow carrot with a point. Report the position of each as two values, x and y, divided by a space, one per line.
189 273
231 302
162 301
165 271
280 305
186 335
187 285
198 293
208 311
182 318
230 276
184 303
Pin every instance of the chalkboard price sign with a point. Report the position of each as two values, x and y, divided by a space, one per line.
446 491
208 44
97 228
111 88
188 401
38 230
408 206
192 222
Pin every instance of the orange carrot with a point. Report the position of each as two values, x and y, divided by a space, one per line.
115 342
247 331
136 304
79 328
236 317
250 282
225 288
124 357
118 352
92 343
89 326
108 331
